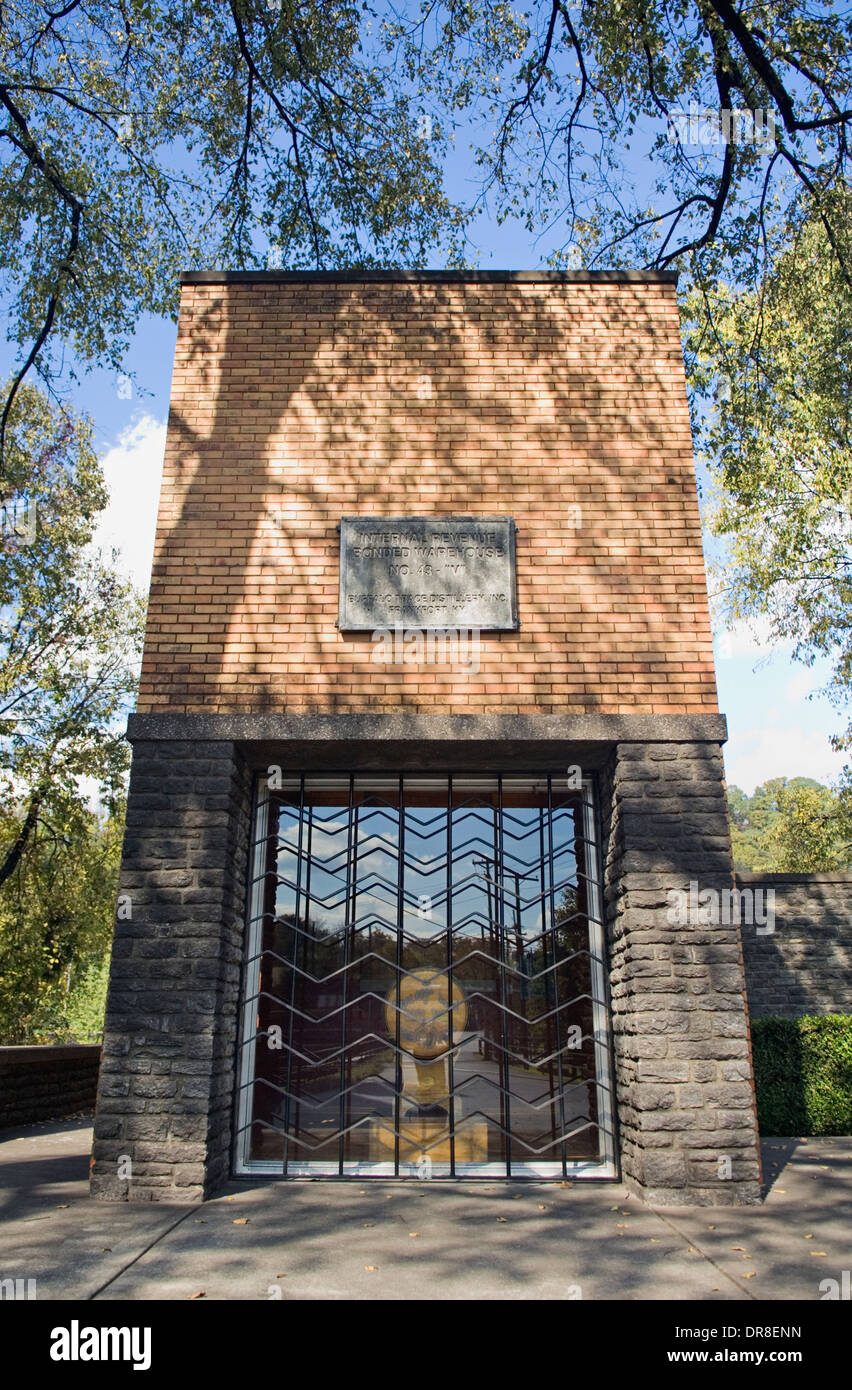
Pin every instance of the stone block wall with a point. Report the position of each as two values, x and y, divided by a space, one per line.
804 966
684 1094
680 1026
166 1093
41 1083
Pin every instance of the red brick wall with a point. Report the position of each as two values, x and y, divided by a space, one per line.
528 399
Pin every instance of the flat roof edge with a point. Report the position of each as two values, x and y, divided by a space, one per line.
429 729
428 277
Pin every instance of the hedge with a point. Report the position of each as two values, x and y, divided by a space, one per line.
803 1074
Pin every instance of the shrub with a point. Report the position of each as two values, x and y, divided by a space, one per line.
803 1074
74 1014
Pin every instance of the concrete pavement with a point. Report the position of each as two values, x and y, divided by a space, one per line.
420 1240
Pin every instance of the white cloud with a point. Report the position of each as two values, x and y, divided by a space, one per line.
801 684
132 469
755 755
747 638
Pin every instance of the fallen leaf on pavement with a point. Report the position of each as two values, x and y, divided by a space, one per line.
201 1294
750 1276
371 1268
241 1221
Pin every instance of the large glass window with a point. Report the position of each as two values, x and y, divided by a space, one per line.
424 988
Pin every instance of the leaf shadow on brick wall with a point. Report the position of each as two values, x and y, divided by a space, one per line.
561 406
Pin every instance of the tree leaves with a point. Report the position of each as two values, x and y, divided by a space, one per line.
56 920
70 633
570 89
779 441
791 826
145 138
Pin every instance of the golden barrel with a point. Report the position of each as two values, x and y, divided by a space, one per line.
423 1003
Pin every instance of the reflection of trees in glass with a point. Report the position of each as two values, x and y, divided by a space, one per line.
319 951
571 928
546 988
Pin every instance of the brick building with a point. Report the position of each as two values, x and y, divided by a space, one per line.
406 909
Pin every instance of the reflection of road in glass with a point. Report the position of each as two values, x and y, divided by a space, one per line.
479 1081
476 1084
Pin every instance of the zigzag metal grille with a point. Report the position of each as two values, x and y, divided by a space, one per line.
425 986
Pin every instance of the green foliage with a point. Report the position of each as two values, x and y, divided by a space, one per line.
70 635
77 1014
803 1074
56 919
791 826
141 138
583 106
779 441
70 632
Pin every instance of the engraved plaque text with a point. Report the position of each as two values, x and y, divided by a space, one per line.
427 572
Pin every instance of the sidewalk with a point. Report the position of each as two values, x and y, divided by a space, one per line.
420 1240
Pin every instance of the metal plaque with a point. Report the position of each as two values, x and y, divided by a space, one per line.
427 572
